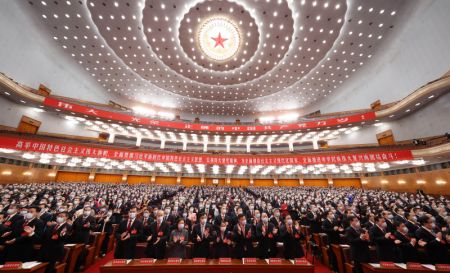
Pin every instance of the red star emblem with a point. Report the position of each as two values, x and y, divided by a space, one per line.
219 40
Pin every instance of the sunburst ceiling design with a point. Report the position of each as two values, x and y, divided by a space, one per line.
271 55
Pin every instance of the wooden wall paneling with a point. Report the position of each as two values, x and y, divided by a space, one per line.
408 182
28 125
347 182
288 182
10 174
316 182
191 181
263 182
209 181
166 180
138 179
108 178
239 182
63 176
386 138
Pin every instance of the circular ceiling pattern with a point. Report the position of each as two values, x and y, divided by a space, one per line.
219 39
289 54
238 30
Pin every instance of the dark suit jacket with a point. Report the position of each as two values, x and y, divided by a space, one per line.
244 246
276 222
328 228
14 225
127 249
291 242
53 240
437 252
385 246
23 247
267 243
221 247
218 221
162 233
411 227
406 251
82 227
359 248
201 247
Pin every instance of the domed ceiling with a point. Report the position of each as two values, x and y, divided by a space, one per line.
220 57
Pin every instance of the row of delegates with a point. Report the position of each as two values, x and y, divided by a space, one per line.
20 233
399 245
239 241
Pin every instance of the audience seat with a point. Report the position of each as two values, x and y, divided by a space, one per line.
323 244
348 263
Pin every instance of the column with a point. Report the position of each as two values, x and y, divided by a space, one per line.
111 138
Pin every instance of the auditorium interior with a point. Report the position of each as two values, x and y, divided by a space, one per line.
224 135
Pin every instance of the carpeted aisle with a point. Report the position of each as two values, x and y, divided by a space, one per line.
95 268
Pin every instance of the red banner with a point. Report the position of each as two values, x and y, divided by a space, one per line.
40 146
113 116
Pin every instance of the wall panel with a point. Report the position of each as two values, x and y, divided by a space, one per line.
72 177
23 174
191 181
408 182
166 180
138 179
263 182
288 182
108 178
209 182
316 182
347 182
238 182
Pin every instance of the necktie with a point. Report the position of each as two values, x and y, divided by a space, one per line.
202 229
157 226
129 224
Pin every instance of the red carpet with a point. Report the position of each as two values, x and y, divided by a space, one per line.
95 268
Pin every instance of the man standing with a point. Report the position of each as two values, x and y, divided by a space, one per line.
290 235
127 235
55 236
22 247
384 241
243 237
359 243
201 237
82 226
267 236
159 234
13 227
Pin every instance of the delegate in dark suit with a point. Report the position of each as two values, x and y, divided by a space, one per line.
53 240
385 246
23 247
222 244
243 237
359 248
156 246
291 240
436 250
127 235
82 227
406 249
201 237
267 240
